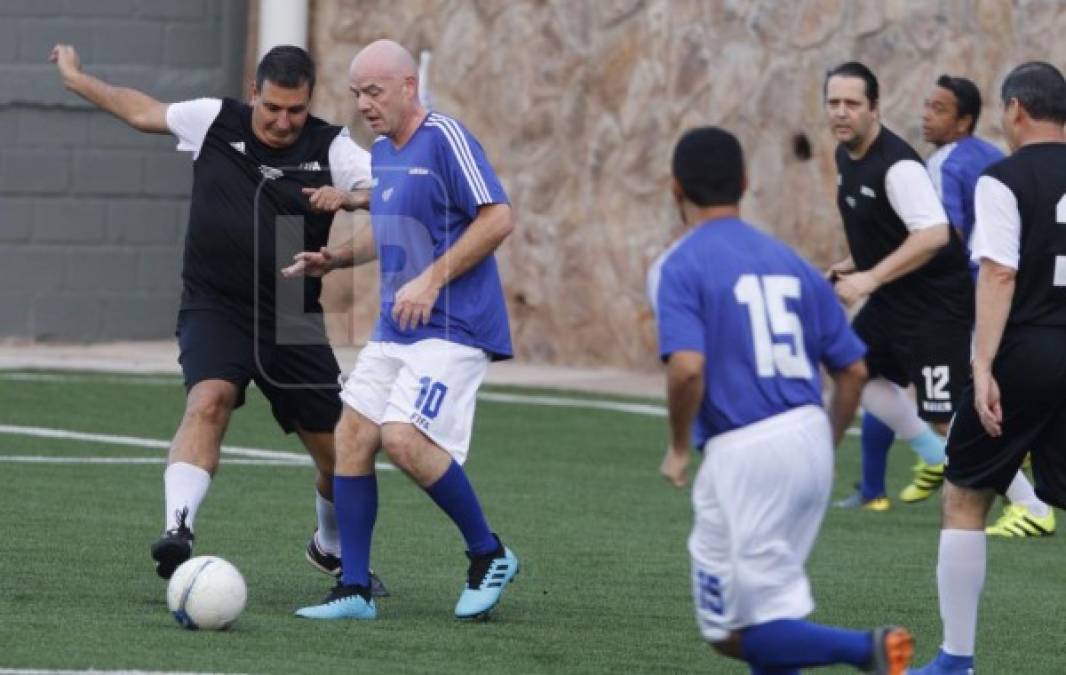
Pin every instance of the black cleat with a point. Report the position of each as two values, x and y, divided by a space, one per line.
327 563
173 548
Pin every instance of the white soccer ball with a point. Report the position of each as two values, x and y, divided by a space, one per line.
206 592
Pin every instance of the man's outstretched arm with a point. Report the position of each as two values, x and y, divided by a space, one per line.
135 108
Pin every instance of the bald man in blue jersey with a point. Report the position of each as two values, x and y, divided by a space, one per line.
744 324
437 213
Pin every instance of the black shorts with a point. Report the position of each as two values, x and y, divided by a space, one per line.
935 357
300 381
1030 370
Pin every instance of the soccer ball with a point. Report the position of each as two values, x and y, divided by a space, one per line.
206 592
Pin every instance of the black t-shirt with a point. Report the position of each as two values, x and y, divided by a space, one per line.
939 291
248 217
1035 175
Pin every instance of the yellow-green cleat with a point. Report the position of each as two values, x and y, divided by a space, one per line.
855 501
927 479
1018 521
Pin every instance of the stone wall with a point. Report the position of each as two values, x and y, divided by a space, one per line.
578 104
92 213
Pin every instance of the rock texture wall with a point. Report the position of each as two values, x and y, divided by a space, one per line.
579 102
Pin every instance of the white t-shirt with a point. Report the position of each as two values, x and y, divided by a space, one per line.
997 227
911 193
189 121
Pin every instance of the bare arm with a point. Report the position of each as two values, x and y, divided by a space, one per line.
358 250
916 250
486 232
844 402
137 109
414 301
684 392
995 292
329 199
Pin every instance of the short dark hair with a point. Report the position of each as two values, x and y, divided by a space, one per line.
1039 88
859 70
286 66
709 165
967 96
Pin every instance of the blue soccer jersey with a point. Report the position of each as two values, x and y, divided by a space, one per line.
955 169
762 316
425 196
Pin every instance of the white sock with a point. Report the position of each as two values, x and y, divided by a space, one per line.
889 403
328 536
960 576
1021 492
185 486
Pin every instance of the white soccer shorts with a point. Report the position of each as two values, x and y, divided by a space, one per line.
431 384
759 499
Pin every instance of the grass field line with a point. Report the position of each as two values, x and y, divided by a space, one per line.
263 455
42 459
33 671
649 409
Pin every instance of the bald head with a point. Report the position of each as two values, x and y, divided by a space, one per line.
384 79
384 58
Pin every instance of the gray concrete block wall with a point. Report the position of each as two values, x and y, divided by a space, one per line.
93 213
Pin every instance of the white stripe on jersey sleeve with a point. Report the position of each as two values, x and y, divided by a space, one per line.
461 150
655 273
935 167
190 120
997 228
349 164
912 196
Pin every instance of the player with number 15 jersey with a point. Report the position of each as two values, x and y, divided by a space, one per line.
744 324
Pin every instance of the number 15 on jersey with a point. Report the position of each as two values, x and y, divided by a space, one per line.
776 331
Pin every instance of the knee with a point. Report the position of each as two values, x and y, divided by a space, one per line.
400 442
965 508
727 645
355 438
211 406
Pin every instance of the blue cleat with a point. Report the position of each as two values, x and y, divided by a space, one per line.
946 664
486 579
343 602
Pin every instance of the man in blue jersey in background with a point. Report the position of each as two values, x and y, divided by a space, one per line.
743 325
949 118
437 212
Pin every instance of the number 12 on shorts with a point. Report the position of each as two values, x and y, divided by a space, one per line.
430 396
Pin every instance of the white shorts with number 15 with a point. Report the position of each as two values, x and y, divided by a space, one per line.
759 499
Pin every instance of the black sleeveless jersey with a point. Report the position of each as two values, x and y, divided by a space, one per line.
248 217
939 291
1036 175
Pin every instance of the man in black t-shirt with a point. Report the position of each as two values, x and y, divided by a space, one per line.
1017 400
908 264
267 180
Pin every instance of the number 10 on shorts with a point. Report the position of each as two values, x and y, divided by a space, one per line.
430 396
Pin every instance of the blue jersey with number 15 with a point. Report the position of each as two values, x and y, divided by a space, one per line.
762 316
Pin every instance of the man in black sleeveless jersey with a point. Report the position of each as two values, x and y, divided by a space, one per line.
267 180
1017 400
909 265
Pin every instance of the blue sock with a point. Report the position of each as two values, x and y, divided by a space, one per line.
951 661
455 496
877 438
794 643
929 446
356 501
756 670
